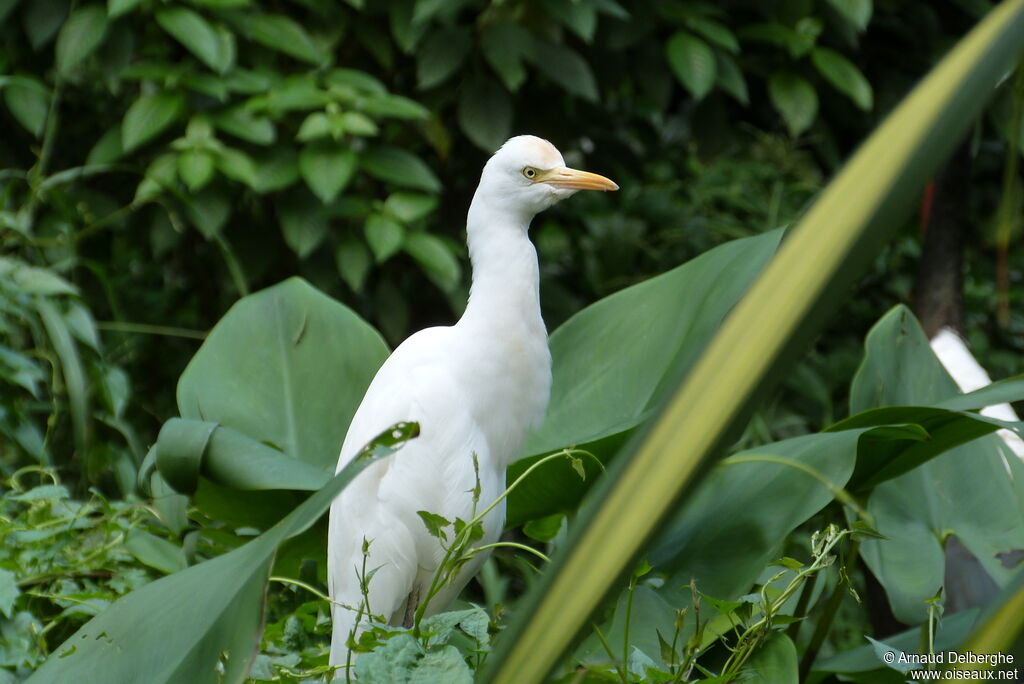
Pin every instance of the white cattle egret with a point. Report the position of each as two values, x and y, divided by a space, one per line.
475 388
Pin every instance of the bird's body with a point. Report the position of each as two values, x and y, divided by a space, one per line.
475 388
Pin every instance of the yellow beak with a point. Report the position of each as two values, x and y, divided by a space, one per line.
571 179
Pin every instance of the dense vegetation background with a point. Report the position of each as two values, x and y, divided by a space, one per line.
159 160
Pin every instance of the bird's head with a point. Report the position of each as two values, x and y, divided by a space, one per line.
528 172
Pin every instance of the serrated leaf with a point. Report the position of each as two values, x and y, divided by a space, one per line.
795 99
354 262
565 67
81 34
693 63
148 116
435 524
28 101
399 167
195 168
284 34
485 113
440 56
384 235
842 74
409 206
327 169
436 259
214 48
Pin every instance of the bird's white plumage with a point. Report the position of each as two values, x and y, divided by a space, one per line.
969 376
475 388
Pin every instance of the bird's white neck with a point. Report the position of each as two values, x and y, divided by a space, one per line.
506 278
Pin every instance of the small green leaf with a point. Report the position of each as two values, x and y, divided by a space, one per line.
214 48
9 592
713 31
327 169
107 149
544 529
435 524
436 259
795 99
402 168
283 34
857 12
81 34
842 74
29 101
209 211
354 262
394 106
693 63
578 17
485 113
315 126
303 223
409 206
440 56
195 168
357 123
730 79
503 46
565 67
276 169
242 123
148 116
384 235
237 165
42 19
119 7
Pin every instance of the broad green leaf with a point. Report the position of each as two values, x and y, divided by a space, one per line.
154 551
148 116
435 258
394 106
43 18
28 100
440 56
327 168
857 12
397 166
209 210
384 235
107 149
795 99
32 280
829 246
298 342
199 36
565 67
303 223
775 662
158 631
693 63
504 46
485 113
409 206
1002 391
426 9
81 34
842 74
284 34
276 169
237 165
612 361
918 510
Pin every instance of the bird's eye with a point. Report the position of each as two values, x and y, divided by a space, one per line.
530 172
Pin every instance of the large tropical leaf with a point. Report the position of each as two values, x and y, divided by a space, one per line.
831 244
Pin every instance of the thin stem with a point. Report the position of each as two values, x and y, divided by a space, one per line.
147 329
608 649
825 623
512 545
